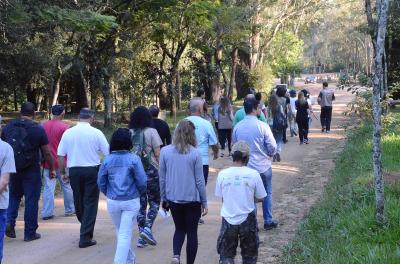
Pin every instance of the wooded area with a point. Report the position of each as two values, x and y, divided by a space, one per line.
115 54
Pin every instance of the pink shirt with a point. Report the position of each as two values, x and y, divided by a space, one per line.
54 131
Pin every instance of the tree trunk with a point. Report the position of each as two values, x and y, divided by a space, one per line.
15 99
179 90
106 89
378 32
232 82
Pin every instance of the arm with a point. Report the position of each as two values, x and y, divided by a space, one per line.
4 180
49 159
200 183
104 147
212 141
102 178
269 142
163 175
7 167
168 135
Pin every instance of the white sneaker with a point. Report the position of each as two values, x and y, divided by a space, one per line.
175 259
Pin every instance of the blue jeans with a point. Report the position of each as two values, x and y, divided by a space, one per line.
3 216
279 140
266 177
48 195
28 184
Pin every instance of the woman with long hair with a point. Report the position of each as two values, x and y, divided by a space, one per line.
274 109
225 124
146 144
122 180
302 117
182 187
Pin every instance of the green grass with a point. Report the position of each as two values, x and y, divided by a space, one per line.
341 228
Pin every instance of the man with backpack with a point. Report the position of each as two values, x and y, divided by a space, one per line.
55 128
84 147
259 137
7 166
27 139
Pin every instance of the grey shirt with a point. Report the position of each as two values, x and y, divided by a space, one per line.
327 96
7 165
181 176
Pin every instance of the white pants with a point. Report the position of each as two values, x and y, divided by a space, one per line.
123 215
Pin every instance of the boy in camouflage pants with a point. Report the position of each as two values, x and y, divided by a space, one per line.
239 187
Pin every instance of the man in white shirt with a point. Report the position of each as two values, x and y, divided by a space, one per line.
84 146
239 187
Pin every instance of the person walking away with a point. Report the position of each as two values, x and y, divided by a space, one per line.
259 137
205 136
122 180
225 123
160 125
55 128
214 112
240 114
277 122
302 118
7 167
26 138
182 189
310 111
239 186
146 144
325 99
258 97
83 146
201 94
283 101
292 113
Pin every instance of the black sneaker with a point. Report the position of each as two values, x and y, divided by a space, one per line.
10 231
278 157
87 243
270 226
34 237
48 217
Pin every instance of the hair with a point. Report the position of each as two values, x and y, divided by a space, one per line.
121 140
325 84
200 92
224 105
238 156
140 118
258 96
273 104
281 91
252 91
154 111
250 105
184 136
28 109
195 105
301 98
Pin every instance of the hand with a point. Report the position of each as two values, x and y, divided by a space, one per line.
3 187
65 178
204 211
53 174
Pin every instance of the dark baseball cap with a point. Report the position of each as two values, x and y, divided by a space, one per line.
57 109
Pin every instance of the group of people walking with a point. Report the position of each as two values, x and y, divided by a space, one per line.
144 167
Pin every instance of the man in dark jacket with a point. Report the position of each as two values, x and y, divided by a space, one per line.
160 125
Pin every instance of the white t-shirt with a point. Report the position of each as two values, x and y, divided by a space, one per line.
83 145
293 105
238 187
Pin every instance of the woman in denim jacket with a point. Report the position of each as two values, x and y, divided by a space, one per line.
122 179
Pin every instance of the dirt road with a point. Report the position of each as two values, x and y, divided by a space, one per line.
297 183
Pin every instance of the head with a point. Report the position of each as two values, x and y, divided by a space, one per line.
86 115
140 118
224 104
184 136
241 153
154 111
58 111
251 90
292 93
325 85
306 93
201 93
281 90
28 110
121 140
196 106
252 107
258 96
301 96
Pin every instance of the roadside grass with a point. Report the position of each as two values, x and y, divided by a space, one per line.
341 227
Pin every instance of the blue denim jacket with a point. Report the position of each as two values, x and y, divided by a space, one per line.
121 176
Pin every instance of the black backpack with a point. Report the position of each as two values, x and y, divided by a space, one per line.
17 137
280 121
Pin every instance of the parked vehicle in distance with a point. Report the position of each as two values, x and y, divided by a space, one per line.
310 79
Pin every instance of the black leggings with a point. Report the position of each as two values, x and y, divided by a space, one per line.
303 129
186 218
223 136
